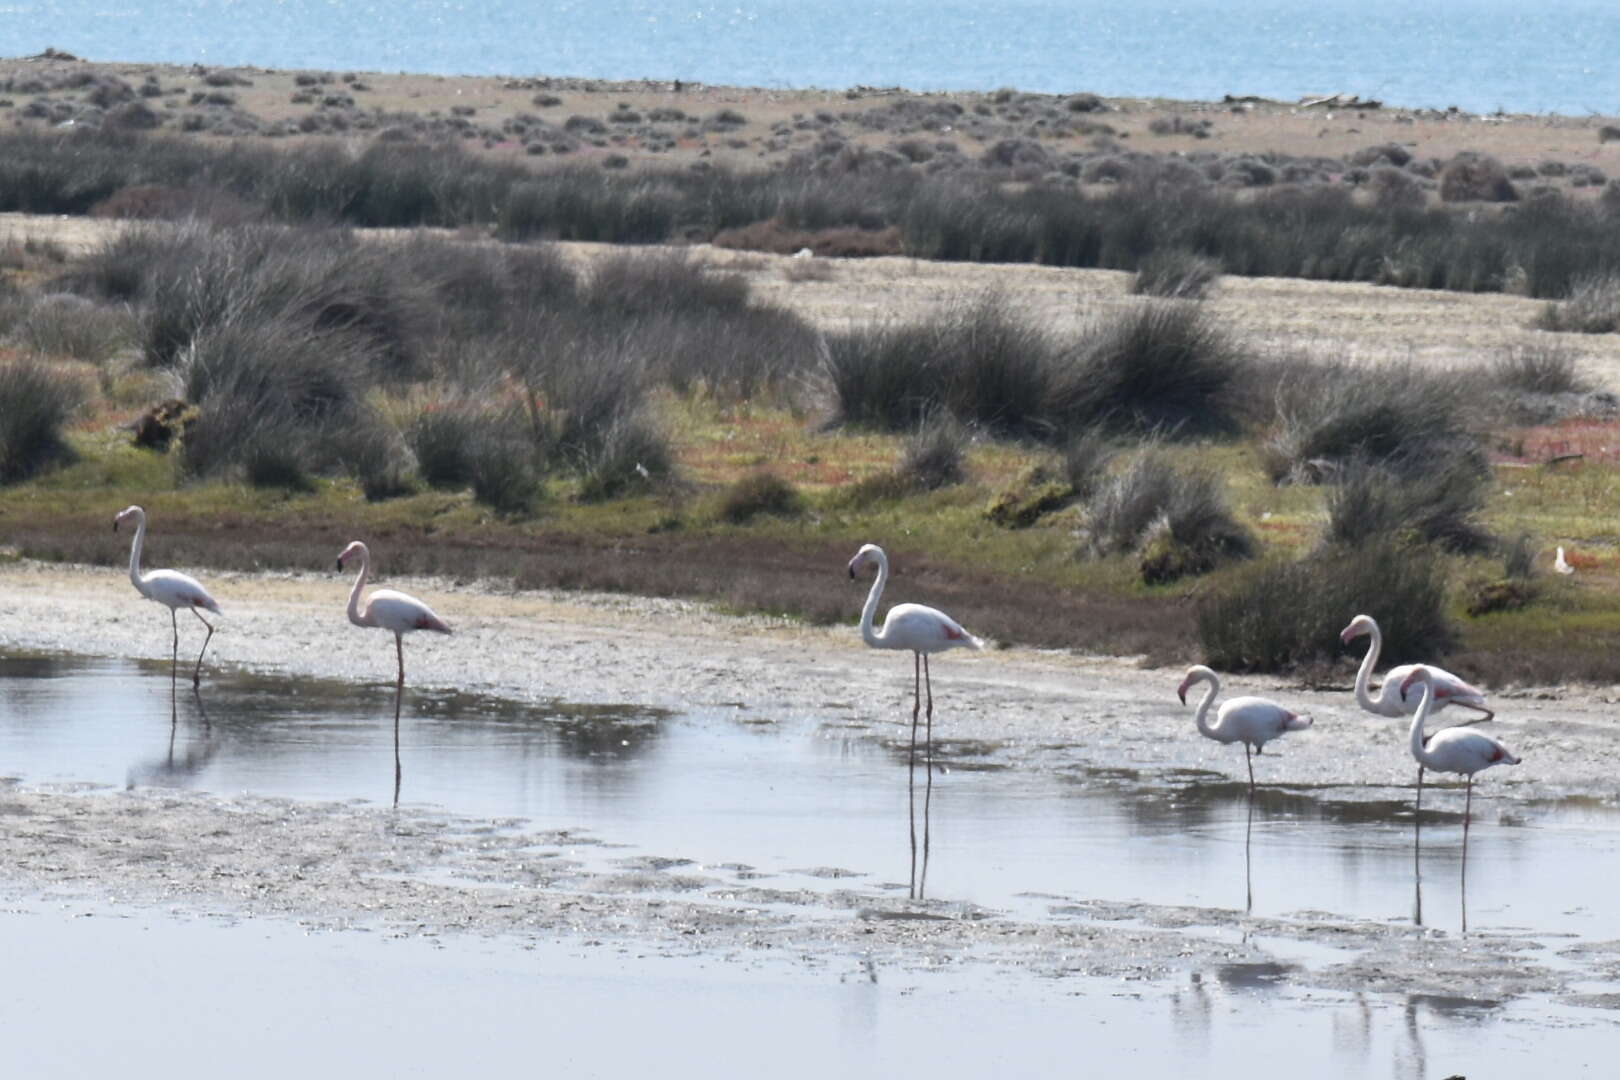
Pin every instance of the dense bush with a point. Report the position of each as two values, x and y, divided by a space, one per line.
1276 615
36 403
1394 414
1593 307
1175 275
760 493
1438 501
1536 369
1163 366
1311 230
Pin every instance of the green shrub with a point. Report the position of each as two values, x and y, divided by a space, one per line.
760 493
1160 367
36 403
934 455
1277 615
1538 369
1436 501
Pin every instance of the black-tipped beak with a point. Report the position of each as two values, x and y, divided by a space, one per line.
340 564
1181 692
852 573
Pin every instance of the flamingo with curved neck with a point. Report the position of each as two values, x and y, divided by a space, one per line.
170 588
1253 721
923 631
1391 700
1454 749
388 610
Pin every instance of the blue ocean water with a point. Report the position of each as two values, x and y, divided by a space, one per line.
1479 55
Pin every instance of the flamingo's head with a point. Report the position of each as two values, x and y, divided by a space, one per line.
1420 674
128 513
1361 624
355 548
1181 691
868 553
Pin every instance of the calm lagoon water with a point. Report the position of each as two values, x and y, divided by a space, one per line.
1479 55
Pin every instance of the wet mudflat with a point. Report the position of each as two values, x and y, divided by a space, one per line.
729 873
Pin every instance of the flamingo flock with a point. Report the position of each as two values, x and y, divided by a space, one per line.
1415 690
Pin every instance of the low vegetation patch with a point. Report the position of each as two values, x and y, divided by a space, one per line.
36 402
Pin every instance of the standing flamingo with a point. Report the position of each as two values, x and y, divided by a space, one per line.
1454 750
169 587
1391 699
1253 721
394 611
922 630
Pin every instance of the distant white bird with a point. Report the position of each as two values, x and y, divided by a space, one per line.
1453 749
804 253
168 587
1253 721
1560 565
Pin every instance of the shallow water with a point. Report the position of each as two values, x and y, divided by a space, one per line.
789 797
228 992
792 797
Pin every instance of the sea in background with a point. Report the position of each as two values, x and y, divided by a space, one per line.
1478 55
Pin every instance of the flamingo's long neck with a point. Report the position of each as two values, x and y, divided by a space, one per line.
135 555
1205 728
868 633
1368 662
1419 718
358 613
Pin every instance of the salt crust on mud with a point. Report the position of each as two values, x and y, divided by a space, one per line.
419 872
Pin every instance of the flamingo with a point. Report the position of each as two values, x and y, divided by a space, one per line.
389 610
922 630
169 587
1452 749
1448 688
1253 721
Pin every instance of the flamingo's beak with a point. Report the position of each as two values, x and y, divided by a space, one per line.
1181 692
1345 636
340 563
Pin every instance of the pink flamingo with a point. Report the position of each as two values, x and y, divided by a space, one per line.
1448 688
1391 699
394 611
1253 721
169 587
1453 749
922 630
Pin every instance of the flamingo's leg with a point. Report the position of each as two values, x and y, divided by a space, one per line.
174 651
399 694
1468 809
1487 718
196 675
928 789
1249 759
911 766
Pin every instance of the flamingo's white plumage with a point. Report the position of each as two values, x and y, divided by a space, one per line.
1252 721
388 610
922 631
1454 749
168 587
1391 699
